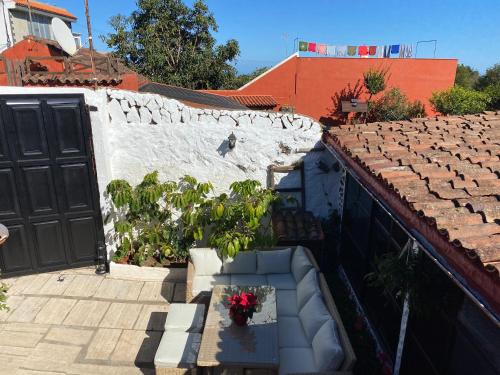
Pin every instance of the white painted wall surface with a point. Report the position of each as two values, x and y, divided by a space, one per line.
134 134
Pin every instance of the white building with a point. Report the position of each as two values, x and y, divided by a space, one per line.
15 21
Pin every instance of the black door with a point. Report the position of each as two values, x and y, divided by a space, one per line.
48 187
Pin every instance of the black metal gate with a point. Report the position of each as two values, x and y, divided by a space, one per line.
49 198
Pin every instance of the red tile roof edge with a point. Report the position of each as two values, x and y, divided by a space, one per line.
486 283
255 100
46 8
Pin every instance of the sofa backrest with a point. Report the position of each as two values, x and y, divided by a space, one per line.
349 355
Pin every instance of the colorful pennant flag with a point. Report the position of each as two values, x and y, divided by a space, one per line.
303 46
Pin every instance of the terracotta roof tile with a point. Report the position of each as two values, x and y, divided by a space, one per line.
46 8
253 101
445 171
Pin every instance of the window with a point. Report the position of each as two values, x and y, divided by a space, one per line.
41 26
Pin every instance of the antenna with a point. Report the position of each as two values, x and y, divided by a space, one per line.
30 17
64 36
91 43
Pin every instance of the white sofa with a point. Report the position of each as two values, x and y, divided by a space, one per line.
312 338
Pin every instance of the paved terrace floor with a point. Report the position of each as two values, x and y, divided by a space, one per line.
76 322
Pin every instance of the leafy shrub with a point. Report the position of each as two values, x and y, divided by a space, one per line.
459 101
374 81
493 91
394 106
156 220
3 296
240 220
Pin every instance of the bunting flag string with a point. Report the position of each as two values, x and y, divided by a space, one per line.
404 51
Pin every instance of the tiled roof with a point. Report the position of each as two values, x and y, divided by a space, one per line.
253 101
443 175
192 97
70 79
46 8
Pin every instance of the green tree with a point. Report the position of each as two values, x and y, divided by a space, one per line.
459 101
375 81
243 79
491 77
493 91
169 42
466 76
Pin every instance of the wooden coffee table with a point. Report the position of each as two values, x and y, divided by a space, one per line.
225 345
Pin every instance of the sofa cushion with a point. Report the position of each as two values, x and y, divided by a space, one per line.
327 349
273 261
281 281
206 283
243 262
296 360
286 303
307 287
178 350
291 334
185 317
313 315
300 263
206 261
248 280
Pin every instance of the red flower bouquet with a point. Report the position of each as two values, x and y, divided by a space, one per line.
241 307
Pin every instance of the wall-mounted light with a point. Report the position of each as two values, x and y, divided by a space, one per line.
232 140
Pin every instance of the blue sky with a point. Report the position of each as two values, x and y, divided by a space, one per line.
266 29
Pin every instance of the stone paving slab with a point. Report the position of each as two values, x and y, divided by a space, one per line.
103 343
28 309
55 310
121 315
71 336
87 313
156 292
56 284
74 322
138 346
83 286
119 289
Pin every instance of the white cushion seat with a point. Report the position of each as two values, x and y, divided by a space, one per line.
327 347
206 261
281 281
300 263
243 262
296 360
185 317
286 303
291 334
273 261
178 350
205 283
313 315
248 280
307 287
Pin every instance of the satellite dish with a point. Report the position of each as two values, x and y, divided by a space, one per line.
64 36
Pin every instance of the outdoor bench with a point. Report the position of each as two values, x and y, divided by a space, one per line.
312 338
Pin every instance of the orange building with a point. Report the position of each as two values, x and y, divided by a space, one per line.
42 62
309 85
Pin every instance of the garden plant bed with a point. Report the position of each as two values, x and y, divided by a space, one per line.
132 272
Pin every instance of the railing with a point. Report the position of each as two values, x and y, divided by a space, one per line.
76 65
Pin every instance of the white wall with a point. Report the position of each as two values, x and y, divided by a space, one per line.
134 134
176 140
